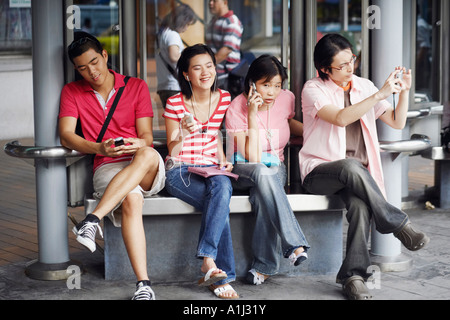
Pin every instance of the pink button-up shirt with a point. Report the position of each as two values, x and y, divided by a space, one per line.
325 142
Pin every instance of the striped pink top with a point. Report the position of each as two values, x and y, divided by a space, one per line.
199 147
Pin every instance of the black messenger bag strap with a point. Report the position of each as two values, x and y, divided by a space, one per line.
111 112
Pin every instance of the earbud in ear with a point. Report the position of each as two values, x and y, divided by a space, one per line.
187 78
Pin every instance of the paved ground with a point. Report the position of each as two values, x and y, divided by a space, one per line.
427 279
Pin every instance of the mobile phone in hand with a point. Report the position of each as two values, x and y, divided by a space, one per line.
190 117
253 85
119 142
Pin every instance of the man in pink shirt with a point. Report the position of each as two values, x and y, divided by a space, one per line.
124 174
341 156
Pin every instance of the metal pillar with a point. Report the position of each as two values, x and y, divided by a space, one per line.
51 181
385 56
128 38
297 56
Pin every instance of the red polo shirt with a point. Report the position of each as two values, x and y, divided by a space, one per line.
78 100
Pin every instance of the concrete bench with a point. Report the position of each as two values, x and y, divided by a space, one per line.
172 228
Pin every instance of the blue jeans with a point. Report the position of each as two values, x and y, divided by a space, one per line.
364 201
276 229
212 197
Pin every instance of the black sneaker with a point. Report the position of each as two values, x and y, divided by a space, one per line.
85 232
143 292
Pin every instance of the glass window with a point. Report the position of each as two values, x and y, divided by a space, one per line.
15 27
343 17
427 51
101 19
156 11
261 20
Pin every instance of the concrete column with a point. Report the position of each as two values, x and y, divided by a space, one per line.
386 54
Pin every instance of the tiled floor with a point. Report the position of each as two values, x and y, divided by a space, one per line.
18 231
427 279
18 219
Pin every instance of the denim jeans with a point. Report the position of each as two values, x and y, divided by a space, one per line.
276 229
212 197
364 201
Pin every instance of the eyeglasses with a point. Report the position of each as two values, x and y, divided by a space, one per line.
345 65
79 42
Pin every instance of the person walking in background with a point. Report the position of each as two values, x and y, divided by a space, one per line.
170 45
224 37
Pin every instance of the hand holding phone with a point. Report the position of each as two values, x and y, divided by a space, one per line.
189 121
253 92
119 142
254 89
189 118
254 97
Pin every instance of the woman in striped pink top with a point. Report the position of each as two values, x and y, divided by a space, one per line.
193 121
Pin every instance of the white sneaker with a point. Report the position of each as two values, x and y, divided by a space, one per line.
143 292
85 232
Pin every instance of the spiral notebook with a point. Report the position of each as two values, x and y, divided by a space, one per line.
211 171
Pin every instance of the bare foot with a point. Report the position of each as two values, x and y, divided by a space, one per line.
226 293
212 274
208 264
299 250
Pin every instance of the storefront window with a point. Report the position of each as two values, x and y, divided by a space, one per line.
15 26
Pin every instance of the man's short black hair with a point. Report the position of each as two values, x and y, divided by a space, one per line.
83 42
327 47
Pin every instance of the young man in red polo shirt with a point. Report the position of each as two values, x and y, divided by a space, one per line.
123 175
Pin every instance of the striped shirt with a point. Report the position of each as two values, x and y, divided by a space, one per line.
226 31
199 147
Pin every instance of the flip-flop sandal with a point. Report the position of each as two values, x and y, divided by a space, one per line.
254 278
220 290
297 259
207 279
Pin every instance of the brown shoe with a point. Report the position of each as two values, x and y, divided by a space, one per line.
412 239
355 289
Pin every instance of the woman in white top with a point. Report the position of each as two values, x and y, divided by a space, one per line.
170 46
